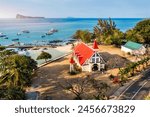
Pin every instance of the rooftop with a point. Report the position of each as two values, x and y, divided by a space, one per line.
83 52
133 45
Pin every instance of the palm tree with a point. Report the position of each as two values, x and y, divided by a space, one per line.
107 33
16 70
44 55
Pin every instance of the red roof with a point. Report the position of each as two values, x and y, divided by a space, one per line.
83 52
95 45
71 60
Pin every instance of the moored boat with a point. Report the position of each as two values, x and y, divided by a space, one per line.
54 30
26 31
17 39
5 37
2 35
18 34
49 33
42 36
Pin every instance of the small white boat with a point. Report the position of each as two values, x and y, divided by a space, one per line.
2 35
49 33
54 30
18 34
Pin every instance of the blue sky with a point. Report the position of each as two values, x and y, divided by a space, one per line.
76 8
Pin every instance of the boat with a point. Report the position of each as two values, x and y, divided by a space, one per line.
5 37
54 30
18 34
17 39
26 31
2 35
56 41
49 33
42 36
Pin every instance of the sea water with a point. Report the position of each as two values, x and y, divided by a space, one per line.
66 28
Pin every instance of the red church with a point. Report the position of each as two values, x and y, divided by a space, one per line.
87 58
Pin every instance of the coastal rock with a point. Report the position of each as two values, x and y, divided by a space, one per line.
18 16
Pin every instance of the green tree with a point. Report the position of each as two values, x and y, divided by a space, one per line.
2 48
143 28
13 93
140 33
44 55
84 35
7 53
132 35
15 73
107 33
16 70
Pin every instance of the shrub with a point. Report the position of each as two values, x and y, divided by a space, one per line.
72 73
111 77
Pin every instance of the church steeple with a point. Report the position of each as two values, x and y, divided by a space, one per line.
95 45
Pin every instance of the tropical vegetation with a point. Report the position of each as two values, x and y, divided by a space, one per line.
2 48
84 35
15 73
106 32
44 55
132 68
140 33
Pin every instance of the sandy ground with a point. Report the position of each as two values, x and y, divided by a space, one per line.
48 78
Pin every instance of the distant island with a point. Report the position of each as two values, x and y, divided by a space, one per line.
19 16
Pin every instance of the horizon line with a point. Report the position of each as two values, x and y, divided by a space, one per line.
79 17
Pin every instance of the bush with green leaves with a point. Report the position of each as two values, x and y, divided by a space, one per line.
140 33
85 35
15 73
13 93
44 55
2 48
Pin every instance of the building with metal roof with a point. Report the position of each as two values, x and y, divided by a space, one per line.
133 48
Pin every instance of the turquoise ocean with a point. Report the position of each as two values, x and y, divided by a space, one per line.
66 28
